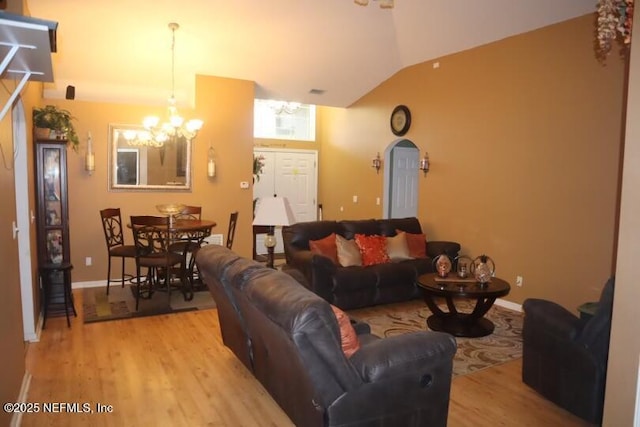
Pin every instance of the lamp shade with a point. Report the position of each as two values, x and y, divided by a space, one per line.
273 211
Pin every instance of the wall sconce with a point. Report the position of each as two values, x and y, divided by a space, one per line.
424 163
89 158
376 163
211 163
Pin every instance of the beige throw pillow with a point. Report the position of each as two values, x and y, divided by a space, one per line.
397 248
348 252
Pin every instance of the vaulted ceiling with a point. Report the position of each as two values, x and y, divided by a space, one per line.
120 50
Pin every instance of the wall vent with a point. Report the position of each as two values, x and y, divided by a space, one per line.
214 239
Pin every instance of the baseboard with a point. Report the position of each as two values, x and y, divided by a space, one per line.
508 304
35 337
16 419
91 284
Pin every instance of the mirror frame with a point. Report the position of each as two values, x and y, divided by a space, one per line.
114 129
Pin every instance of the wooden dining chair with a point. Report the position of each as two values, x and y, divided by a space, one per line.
151 237
188 245
114 237
190 212
233 220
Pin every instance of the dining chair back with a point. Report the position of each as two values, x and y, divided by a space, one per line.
233 220
151 235
189 246
190 212
114 237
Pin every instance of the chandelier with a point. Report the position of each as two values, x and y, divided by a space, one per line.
384 4
280 107
156 133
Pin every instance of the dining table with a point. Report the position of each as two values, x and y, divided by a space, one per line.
187 235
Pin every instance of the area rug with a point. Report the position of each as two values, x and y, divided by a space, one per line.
474 354
121 303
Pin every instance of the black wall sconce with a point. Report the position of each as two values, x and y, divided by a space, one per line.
376 163
424 163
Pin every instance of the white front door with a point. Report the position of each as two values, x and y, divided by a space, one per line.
292 174
402 186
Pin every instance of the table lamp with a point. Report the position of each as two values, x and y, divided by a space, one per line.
272 212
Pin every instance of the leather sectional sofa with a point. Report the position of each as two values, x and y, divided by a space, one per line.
289 338
359 286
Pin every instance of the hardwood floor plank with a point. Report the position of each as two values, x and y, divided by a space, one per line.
497 397
173 370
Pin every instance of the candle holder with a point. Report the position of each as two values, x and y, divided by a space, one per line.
89 158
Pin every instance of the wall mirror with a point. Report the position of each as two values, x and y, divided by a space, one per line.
136 166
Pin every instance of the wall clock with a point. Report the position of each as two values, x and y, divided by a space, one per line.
400 120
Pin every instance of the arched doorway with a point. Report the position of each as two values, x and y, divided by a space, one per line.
401 179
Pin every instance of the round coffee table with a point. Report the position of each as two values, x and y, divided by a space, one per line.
456 323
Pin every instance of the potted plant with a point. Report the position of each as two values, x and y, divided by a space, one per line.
58 121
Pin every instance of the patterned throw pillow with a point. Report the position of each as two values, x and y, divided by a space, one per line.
397 248
373 249
348 337
348 252
326 247
417 244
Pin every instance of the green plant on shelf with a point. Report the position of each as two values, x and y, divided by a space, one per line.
59 120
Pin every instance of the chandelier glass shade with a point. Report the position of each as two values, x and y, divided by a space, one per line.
280 107
384 4
155 132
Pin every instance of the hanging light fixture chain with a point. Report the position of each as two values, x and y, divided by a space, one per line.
155 134
173 26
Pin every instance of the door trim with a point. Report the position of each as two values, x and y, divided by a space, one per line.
24 221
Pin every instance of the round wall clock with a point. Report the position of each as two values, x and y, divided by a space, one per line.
400 120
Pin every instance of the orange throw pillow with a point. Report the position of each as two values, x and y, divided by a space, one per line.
326 247
348 337
417 244
373 249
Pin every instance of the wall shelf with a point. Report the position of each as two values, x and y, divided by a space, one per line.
25 48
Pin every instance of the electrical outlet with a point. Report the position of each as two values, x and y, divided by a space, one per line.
355 199
519 280
88 261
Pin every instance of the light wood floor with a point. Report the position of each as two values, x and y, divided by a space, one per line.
173 370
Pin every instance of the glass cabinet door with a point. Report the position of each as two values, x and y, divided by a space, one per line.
53 230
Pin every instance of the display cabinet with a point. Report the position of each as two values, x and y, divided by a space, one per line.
52 219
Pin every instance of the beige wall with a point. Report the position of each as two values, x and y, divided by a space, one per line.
524 140
11 331
622 373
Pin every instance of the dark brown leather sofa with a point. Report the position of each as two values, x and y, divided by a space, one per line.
289 338
358 286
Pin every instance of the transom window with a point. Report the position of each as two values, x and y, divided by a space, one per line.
284 120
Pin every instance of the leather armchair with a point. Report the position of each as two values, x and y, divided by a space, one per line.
565 357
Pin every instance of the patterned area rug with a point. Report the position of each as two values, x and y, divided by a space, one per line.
474 354
121 303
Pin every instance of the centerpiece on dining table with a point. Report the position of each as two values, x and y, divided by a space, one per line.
170 209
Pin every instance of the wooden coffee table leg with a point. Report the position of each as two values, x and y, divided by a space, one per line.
470 325
428 299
